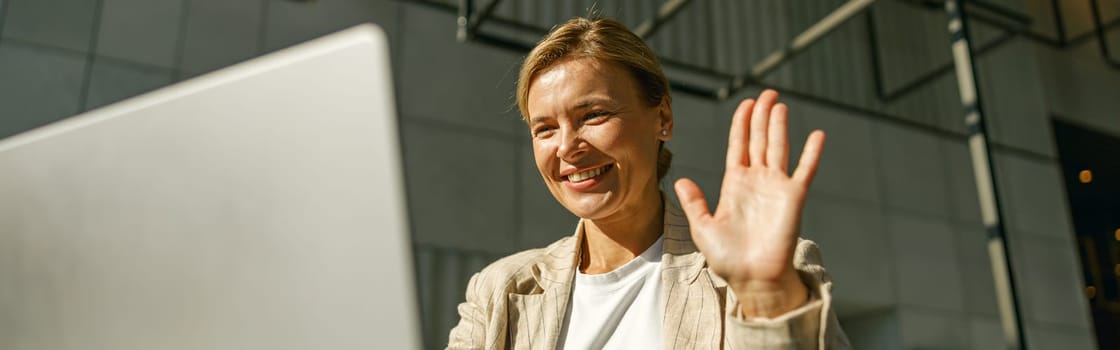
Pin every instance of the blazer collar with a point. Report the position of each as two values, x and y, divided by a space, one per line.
680 262
557 270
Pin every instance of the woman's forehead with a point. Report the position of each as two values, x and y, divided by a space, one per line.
573 83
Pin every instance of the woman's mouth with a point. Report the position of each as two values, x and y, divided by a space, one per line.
586 175
585 180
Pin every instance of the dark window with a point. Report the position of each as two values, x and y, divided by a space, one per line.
1091 168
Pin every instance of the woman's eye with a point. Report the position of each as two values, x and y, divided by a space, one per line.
594 115
541 131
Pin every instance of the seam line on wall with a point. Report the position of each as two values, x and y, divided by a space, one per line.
90 56
181 41
3 16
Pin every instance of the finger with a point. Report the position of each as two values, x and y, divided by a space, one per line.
692 201
810 156
760 118
737 138
777 149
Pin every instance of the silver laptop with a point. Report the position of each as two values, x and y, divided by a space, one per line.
257 207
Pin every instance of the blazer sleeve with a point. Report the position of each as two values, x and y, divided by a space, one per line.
471 332
811 326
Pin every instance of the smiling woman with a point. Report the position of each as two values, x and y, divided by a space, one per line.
587 118
640 271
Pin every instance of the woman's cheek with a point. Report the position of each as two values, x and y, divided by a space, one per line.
543 154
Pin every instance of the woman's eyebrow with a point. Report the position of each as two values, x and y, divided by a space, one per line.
582 104
538 119
588 102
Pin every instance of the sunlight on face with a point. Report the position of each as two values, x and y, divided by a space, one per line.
595 140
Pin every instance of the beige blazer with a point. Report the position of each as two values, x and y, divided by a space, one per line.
519 302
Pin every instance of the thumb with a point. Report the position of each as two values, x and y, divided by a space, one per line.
692 201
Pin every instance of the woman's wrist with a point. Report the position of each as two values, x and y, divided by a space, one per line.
770 299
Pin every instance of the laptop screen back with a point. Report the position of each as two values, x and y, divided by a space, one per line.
257 207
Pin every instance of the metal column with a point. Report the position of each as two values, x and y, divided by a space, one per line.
979 149
1102 34
799 43
666 12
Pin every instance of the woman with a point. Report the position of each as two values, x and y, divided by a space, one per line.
638 273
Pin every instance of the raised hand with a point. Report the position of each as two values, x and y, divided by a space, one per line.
750 239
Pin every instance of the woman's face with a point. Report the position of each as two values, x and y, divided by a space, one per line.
595 139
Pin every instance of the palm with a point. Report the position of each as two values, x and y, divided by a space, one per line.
752 234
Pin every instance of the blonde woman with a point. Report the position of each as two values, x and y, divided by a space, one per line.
640 272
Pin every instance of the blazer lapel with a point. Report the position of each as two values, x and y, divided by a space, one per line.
693 307
554 275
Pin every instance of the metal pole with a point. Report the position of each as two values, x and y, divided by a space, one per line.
466 9
815 32
1102 35
664 13
1059 22
876 60
979 148
1002 11
476 19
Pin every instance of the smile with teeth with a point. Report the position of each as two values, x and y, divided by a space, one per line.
582 176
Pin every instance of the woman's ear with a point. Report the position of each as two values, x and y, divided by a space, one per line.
665 120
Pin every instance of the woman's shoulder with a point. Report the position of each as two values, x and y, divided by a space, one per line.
520 270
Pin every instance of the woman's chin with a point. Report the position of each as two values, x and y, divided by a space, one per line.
589 205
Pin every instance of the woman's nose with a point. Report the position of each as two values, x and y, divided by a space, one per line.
571 146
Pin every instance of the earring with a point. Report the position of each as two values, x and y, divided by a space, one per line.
664 132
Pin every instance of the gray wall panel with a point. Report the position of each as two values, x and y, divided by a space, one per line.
60 23
37 86
143 31
884 186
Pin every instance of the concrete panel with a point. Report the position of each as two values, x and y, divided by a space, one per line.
60 23
1074 80
873 331
292 22
847 165
925 329
460 188
452 285
143 31
113 81
1049 337
913 170
426 288
467 84
947 102
964 199
854 247
220 33
986 333
913 42
1051 281
926 264
699 138
1048 280
39 86
1036 199
1012 94
976 270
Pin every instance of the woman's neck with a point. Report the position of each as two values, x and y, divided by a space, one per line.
612 242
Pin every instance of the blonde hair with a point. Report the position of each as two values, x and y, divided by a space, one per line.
601 39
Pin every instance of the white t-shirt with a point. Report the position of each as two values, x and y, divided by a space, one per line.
618 309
